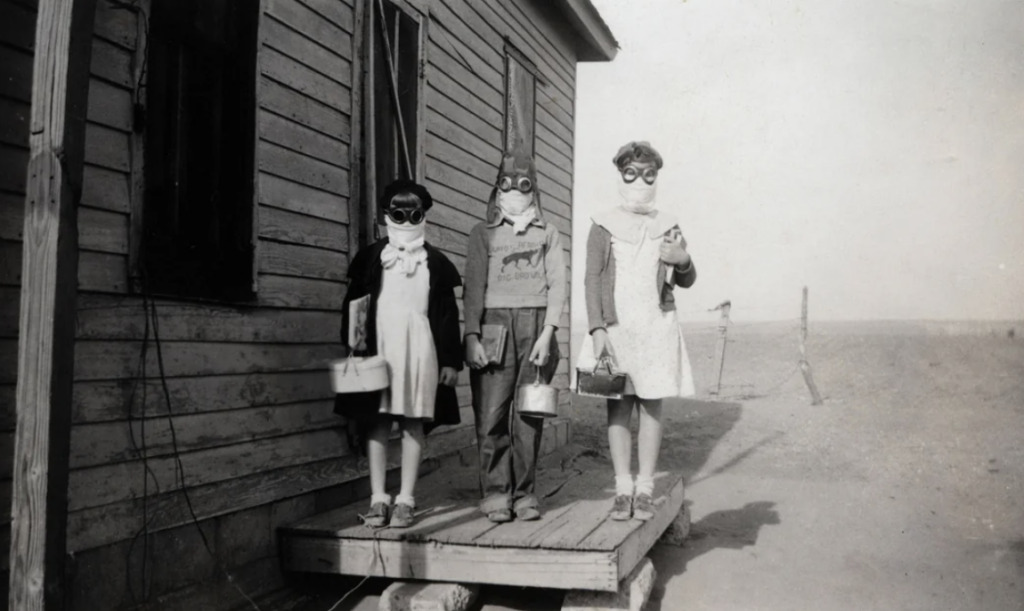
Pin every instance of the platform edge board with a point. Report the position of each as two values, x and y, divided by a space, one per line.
633 550
430 561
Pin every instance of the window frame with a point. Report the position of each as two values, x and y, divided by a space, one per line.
513 54
137 173
367 212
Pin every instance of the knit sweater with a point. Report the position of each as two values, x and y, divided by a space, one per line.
509 270
599 281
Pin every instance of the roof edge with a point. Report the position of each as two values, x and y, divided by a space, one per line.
600 42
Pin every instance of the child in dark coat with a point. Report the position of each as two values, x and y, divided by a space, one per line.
413 322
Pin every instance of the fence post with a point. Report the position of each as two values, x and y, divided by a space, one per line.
723 328
805 367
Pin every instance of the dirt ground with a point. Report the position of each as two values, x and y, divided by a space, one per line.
904 490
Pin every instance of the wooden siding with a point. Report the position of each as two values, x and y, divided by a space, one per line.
465 101
246 386
17 34
252 409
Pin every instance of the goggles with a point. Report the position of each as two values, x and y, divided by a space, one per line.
523 184
414 216
630 174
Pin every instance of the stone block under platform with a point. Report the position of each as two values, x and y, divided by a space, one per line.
574 546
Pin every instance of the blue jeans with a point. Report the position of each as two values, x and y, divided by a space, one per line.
508 443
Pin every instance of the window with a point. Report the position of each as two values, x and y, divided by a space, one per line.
520 96
394 99
200 142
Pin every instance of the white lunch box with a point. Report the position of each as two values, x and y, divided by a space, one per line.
359 374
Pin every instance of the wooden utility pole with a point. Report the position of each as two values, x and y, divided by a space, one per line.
49 286
723 329
805 367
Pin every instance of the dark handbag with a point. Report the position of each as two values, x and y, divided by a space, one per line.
595 383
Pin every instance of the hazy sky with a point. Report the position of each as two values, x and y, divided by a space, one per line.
873 151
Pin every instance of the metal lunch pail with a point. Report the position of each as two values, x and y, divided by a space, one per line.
538 400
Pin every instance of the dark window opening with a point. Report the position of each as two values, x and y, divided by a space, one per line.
200 134
394 101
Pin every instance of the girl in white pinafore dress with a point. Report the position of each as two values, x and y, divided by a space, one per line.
414 326
635 257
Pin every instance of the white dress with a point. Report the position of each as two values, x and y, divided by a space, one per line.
647 342
405 341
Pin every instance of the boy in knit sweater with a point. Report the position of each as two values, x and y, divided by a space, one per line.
516 279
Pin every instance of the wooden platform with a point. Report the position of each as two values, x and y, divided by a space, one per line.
573 546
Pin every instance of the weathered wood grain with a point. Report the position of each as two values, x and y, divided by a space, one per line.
108 148
445 61
294 136
302 261
106 401
102 272
338 13
111 442
294 74
103 188
450 209
302 109
92 527
459 95
288 164
286 226
60 86
110 105
97 486
112 360
289 195
115 24
290 292
311 54
456 563
450 130
111 63
102 230
104 317
300 18
461 186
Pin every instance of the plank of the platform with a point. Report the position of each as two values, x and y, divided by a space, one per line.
561 569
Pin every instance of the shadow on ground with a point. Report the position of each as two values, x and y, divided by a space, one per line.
733 529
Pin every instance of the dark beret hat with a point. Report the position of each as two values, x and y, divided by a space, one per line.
404 186
637 151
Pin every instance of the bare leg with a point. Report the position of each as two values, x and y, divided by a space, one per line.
648 446
620 442
412 452
649 438
377 451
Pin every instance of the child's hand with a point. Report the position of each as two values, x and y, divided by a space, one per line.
449 377
673 253
475 355
602 345
541 348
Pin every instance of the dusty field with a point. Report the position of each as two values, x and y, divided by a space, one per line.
905 490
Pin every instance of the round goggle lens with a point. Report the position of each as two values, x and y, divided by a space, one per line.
522 184
400 215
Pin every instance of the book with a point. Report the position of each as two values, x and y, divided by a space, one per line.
358 313
492 338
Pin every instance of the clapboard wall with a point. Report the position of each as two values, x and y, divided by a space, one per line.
253 426
17 34
465 114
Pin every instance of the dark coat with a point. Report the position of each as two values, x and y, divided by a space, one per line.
365 277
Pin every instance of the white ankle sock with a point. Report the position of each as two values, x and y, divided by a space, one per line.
644 485
405 499
623 485
380 498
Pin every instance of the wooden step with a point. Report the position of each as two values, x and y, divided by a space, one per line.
573 546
